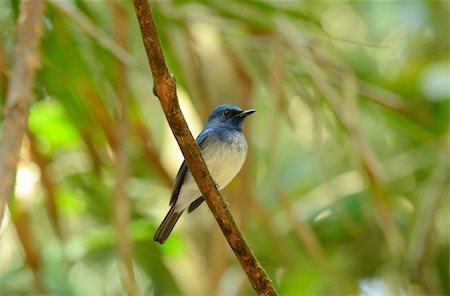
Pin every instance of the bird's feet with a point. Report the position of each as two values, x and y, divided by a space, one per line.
217 185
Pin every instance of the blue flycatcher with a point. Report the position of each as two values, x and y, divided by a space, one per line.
224 150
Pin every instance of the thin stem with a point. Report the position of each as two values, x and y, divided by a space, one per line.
19 95
121 202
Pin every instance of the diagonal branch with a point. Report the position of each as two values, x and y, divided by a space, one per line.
18 97
32 256
165 89
47 183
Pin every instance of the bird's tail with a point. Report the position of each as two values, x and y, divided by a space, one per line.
167 225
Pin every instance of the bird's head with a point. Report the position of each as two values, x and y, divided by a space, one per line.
230 116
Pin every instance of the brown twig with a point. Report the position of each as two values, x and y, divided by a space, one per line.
18 97
91 149
47 183
165 89
121 201
32 255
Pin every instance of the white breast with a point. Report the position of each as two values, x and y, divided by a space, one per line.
224 160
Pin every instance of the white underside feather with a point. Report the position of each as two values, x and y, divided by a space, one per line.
224 160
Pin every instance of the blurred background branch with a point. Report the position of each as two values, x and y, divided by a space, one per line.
122 207
19 95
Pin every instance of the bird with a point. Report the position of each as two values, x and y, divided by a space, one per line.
224 149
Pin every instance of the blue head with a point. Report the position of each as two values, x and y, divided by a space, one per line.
228 116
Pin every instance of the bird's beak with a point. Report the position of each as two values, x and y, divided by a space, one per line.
246 113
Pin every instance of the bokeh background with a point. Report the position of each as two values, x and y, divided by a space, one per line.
345 189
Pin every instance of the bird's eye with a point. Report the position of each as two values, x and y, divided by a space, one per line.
227 113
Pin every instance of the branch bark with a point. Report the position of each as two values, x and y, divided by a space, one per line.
165 89
19 95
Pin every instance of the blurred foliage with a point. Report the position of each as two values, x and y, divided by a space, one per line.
345 189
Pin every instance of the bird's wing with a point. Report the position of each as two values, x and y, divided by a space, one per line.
195 204
179 180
